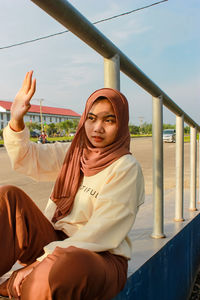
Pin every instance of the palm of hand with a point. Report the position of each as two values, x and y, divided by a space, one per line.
21 103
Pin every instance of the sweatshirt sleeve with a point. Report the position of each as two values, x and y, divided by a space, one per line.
114 212
41 162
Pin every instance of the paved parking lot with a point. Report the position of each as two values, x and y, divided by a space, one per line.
141 149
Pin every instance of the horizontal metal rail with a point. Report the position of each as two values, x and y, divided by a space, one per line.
72 19
114 62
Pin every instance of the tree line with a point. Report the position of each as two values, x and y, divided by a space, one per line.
68 127
146 128
64 128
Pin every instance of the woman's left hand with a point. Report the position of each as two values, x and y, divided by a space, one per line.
16 279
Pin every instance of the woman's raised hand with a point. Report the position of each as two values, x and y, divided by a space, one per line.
21 103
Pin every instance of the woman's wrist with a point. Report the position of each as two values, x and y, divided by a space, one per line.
16 125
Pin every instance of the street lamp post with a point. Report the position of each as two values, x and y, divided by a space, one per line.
41 120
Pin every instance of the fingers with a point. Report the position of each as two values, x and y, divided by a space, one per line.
16 280
32 88
14 285
28 82
18 286
31 92
11 291
25 80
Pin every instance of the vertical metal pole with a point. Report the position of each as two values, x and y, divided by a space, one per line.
179 168
112 72
193 167
157 129
199 167
41 120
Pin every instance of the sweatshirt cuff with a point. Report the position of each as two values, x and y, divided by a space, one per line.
8 133
42 257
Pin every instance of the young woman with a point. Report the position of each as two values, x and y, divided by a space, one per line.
79 248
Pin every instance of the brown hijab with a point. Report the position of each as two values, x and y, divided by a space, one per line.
83 159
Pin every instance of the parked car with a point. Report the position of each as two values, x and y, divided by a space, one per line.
34 134
169 135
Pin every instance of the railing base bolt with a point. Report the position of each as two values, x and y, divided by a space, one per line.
158 236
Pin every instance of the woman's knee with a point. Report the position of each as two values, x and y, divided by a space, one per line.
75 267
12 194
73 259
4 189
7 192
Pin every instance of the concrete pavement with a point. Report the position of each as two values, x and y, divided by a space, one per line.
142 230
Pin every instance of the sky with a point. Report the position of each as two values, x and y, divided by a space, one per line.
163 41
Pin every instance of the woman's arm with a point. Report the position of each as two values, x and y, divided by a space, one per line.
41 162
38 161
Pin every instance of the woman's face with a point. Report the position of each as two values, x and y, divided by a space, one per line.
101 126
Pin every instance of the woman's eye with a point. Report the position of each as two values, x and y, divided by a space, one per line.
90 118
110 121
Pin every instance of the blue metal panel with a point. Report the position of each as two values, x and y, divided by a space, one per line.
170 273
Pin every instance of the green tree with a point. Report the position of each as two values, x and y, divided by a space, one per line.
50 129
75 124
133 129
31 126
187 129
65 126
169 126
146 128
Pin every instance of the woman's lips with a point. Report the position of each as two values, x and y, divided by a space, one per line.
97 139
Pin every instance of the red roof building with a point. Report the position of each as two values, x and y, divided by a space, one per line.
48 114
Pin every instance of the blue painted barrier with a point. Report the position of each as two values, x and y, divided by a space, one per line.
170 273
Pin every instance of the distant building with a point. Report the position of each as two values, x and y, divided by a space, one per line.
49 114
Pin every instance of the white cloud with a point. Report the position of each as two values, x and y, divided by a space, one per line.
129 30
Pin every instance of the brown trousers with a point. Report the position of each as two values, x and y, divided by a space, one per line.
66 274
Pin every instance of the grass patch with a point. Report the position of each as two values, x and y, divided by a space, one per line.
55 139
70 138
62 138
50 139
140 135
186 139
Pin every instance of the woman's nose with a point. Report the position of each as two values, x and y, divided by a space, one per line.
98 127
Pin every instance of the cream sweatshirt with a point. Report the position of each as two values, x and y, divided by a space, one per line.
105 206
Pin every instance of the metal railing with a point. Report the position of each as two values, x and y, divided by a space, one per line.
114 62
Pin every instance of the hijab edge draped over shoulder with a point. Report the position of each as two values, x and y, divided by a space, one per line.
83 159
